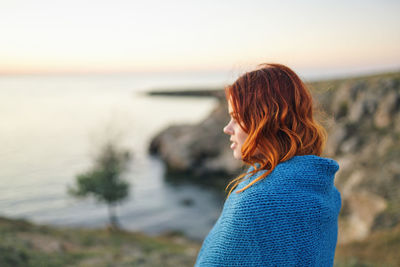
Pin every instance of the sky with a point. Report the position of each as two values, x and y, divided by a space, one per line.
209 35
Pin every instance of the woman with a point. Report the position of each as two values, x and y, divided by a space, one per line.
284 210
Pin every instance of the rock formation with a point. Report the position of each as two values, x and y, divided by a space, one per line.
364 139
199 150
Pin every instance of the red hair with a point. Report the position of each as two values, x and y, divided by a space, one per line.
274 107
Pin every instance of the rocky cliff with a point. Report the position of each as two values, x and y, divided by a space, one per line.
198 150
364 137
362 116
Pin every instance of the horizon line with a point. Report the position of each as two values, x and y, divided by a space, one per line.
323 75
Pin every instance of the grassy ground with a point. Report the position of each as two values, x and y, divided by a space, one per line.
381 248
26 244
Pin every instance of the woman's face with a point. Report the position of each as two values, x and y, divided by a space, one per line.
238 136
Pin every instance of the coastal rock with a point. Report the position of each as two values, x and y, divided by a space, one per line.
172 145
363 208
200 150
387 107
365 142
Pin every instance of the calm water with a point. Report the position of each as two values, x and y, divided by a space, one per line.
50 126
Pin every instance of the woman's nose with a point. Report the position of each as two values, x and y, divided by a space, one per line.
228 130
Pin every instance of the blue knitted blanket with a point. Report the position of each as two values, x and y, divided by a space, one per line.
287 219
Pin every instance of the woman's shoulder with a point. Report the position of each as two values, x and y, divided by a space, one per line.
288 191
307 173
288 184
264 196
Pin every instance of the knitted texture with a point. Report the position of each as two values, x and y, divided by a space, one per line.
288 218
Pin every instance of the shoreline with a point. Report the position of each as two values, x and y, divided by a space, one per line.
195 92
106 226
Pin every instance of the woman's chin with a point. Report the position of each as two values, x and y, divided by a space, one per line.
237 156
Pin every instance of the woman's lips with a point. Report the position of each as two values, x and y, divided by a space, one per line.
233 145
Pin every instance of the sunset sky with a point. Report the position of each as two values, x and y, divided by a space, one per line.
124 36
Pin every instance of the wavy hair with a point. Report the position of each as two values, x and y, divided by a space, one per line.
274 107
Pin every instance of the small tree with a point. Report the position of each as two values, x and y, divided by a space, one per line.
103 181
